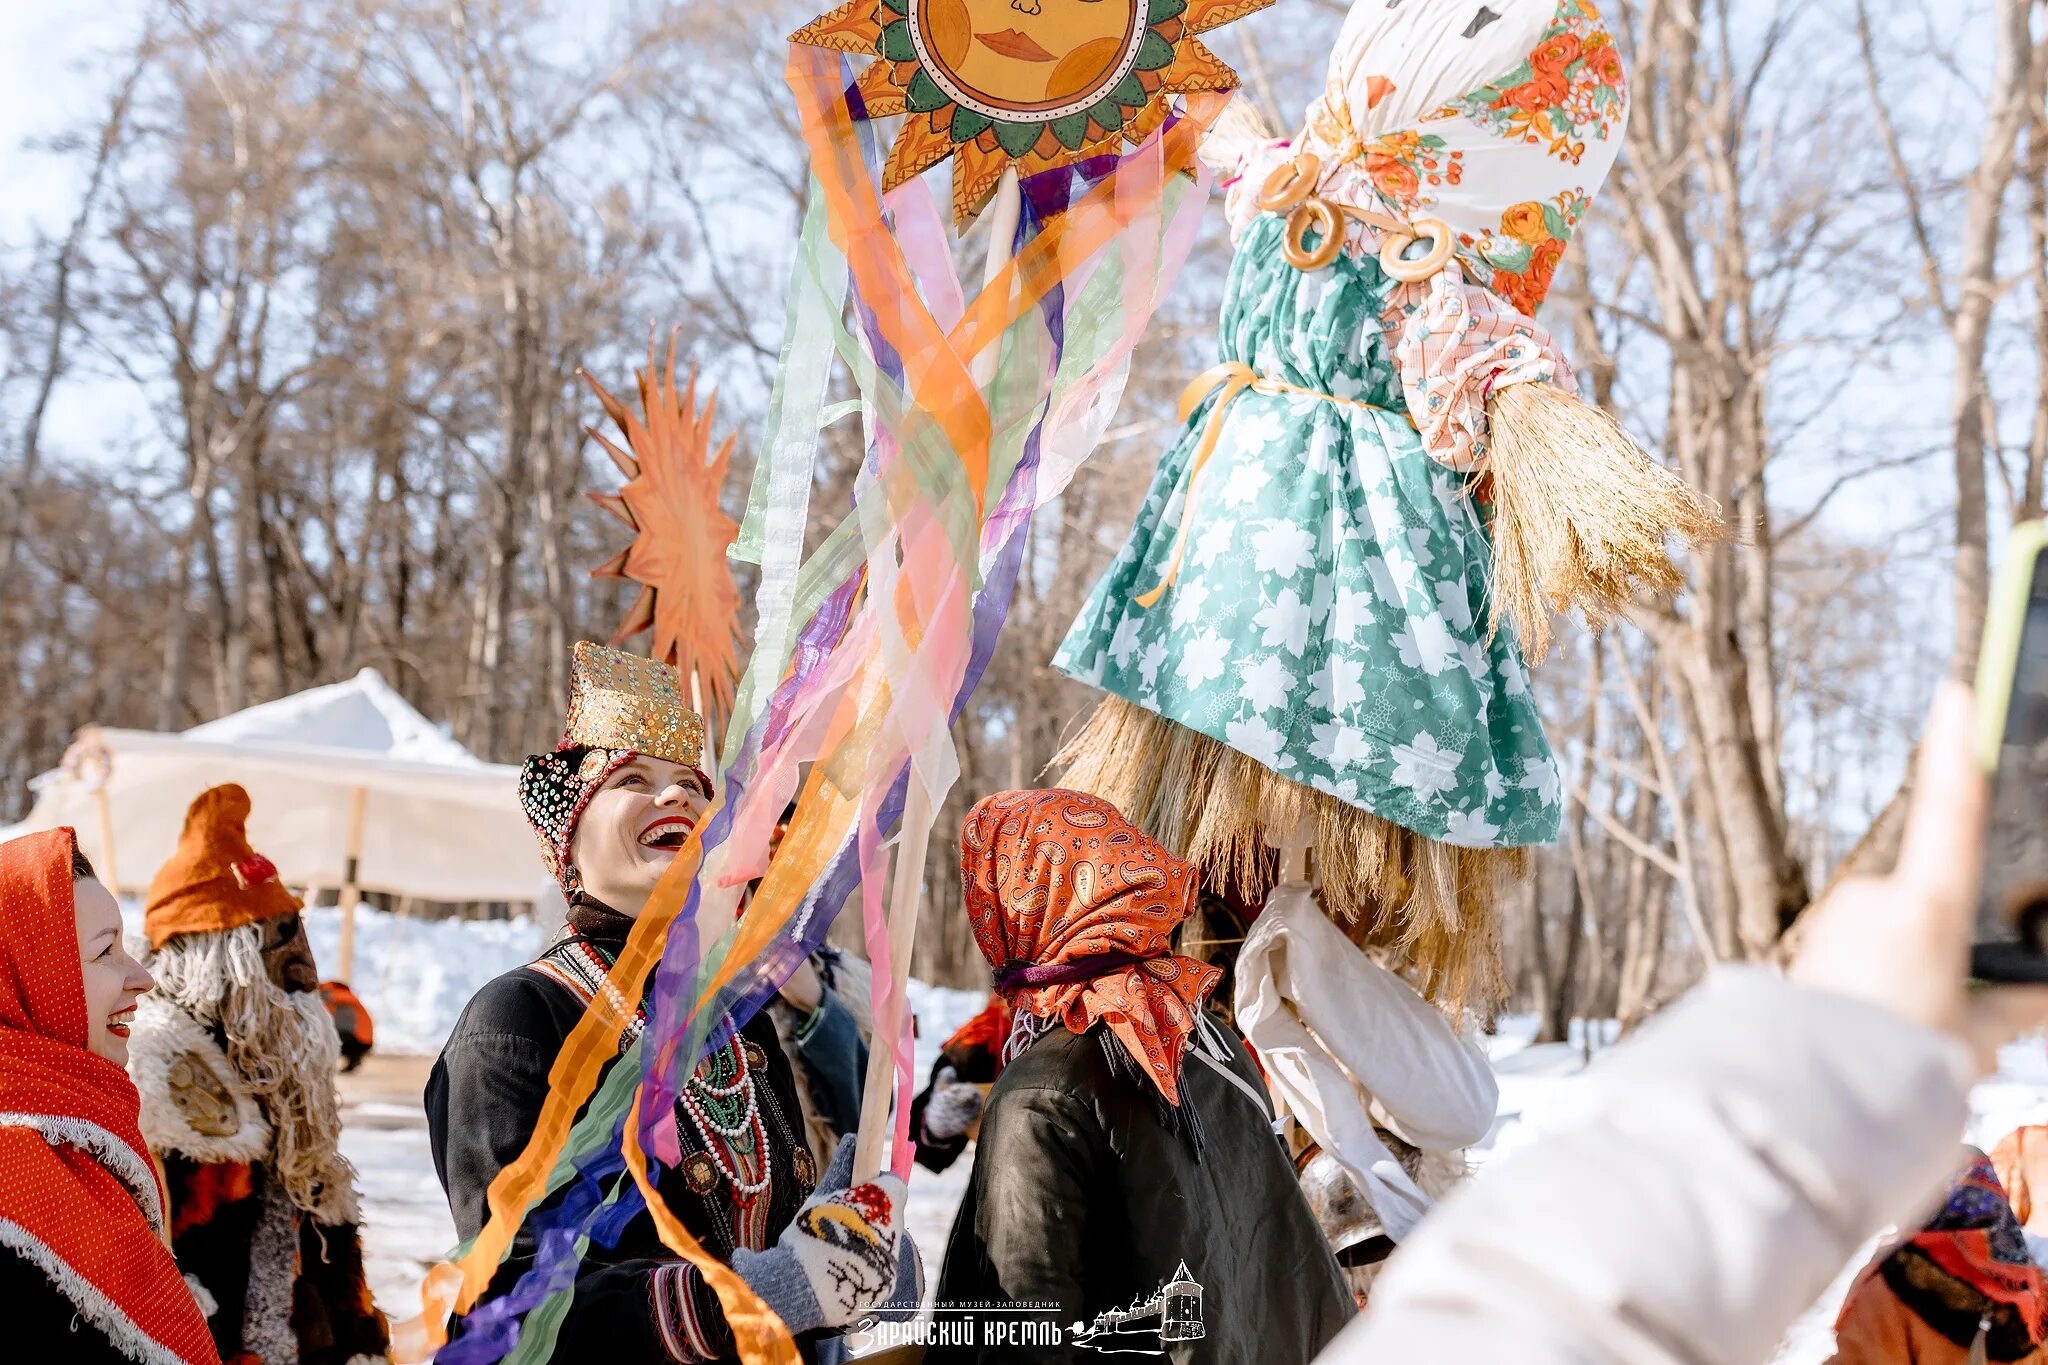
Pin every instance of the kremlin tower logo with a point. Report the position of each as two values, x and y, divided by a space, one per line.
1172 1314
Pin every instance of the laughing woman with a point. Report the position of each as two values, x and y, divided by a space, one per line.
611 805
84 1271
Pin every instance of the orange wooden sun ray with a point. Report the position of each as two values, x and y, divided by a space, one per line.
675 480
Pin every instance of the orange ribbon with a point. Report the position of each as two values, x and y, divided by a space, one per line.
1226 381
757 1333
938 377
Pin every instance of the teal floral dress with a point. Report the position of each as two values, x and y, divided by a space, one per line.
1329 617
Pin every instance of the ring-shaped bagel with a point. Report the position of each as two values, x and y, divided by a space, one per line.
1315 215
1290 183
1400 266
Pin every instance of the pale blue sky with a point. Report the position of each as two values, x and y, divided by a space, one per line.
55 59
57 62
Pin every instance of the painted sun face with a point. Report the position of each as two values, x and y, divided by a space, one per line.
1029 85
1027 60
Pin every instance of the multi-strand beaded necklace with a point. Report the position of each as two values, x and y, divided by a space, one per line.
722 1106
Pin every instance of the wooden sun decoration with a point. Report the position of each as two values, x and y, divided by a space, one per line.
1029 83
681 533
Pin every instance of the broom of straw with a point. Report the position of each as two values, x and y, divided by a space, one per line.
1581 513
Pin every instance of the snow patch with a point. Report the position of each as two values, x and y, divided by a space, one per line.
415 975
406 1225
364 713
940 1012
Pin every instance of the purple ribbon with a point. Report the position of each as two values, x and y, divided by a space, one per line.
1017 975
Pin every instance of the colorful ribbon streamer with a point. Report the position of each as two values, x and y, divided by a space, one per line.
899 608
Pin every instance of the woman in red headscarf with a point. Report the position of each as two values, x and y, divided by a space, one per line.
84 1270
1126 1174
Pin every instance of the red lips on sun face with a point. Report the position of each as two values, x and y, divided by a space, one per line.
1015 45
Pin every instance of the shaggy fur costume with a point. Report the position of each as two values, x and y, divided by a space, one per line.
281 1050
263 1205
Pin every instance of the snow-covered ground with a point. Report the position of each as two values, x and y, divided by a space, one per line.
934 1197
406 1227
415 975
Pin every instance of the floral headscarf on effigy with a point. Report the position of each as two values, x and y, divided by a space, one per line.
1504 134
1465 147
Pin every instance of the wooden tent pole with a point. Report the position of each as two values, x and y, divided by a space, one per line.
350 892
109 869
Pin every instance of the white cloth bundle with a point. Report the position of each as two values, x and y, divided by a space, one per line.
1345 1042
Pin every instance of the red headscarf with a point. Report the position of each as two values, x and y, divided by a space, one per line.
1074 907
79 1196
985 1032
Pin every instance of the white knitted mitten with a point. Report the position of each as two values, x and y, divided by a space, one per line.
840 1258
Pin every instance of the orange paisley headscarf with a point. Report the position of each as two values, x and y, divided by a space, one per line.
1060 885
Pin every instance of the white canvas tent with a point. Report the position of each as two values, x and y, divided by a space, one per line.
351 789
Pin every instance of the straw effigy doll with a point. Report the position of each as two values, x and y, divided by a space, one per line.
1316 631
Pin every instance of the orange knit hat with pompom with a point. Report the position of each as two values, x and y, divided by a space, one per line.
214 881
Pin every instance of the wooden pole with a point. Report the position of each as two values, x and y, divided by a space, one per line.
350 892
906 896
711 740
108 869
1003 212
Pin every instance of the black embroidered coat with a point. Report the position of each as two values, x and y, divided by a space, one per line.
1083 1200
636 1303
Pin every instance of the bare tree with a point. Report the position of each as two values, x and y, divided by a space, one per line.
351 253
1964 298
